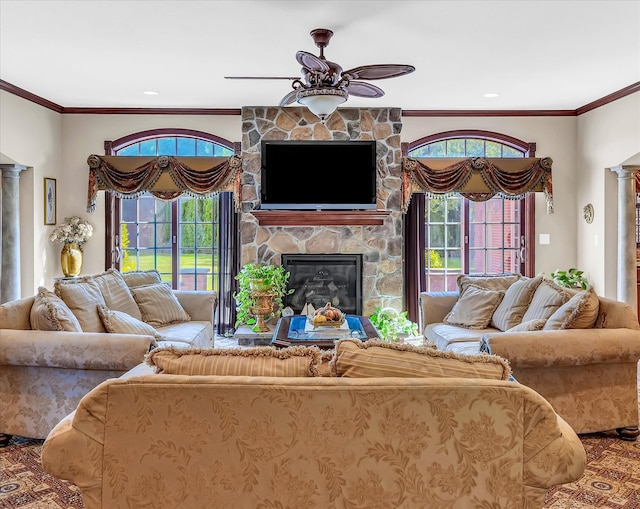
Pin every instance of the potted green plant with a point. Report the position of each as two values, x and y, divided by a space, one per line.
254 279
393 326
571 278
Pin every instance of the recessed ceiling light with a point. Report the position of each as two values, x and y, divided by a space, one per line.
491 94
150 92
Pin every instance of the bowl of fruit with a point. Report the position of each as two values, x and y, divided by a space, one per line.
326 316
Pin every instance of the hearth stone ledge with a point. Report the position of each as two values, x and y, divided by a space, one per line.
381 244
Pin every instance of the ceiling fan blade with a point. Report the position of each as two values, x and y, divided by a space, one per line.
362 89
289 98
260 78
378 71
311 62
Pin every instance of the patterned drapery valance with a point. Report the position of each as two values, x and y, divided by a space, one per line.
165 177
477 178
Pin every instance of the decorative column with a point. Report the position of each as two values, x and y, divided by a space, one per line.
627 284
10 219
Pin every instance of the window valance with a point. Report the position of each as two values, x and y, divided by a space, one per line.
165 177
477 178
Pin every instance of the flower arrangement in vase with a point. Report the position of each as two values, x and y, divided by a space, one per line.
72 233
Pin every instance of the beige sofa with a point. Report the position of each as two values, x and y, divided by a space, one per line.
387 428
588 374
45 373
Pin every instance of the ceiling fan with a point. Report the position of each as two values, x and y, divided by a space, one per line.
325 85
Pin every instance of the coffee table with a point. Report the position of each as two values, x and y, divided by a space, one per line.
294 330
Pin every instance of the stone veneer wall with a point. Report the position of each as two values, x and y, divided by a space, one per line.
381 246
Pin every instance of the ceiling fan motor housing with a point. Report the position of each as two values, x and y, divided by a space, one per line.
321 36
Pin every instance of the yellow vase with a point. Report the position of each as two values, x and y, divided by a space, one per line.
71 260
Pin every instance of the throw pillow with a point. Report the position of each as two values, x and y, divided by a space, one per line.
474 308
515 303
529 325
579 312
546 300
118 322
83 299
375 358
498 282
114 290
296 361
141 278
49 312
158 305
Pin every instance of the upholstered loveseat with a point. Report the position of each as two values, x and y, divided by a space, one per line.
580 351
389 426
57 346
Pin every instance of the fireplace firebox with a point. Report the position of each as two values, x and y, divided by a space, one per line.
320 278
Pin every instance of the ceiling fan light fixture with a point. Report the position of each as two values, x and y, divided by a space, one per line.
322 101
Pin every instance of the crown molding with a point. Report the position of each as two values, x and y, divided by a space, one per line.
20 92
8 87
489 113
152 111
635 87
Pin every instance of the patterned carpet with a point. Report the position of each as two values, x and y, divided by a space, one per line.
24 484
611 481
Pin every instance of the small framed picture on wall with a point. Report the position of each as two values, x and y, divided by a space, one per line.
50 201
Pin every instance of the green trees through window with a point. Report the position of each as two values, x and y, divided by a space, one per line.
179 239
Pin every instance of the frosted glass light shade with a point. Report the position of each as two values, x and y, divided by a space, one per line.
322 102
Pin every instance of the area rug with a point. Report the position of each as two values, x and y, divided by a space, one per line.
611 480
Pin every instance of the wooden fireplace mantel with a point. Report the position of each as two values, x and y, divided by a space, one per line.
321 217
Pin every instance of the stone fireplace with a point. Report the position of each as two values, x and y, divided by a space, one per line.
376 237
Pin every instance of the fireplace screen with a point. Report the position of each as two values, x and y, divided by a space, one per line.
320 278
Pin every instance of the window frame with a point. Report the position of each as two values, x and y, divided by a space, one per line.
415 231
228 231
112 205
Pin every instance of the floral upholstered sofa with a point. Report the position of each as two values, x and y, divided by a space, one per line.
388 426
57 346
580 351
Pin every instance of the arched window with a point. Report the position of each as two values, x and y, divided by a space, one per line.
458 236
191 242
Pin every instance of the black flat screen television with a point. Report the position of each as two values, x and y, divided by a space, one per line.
318 175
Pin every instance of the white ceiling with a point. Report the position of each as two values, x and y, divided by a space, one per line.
538 55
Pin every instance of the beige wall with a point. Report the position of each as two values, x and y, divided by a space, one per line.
32 136
606 136
55 145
